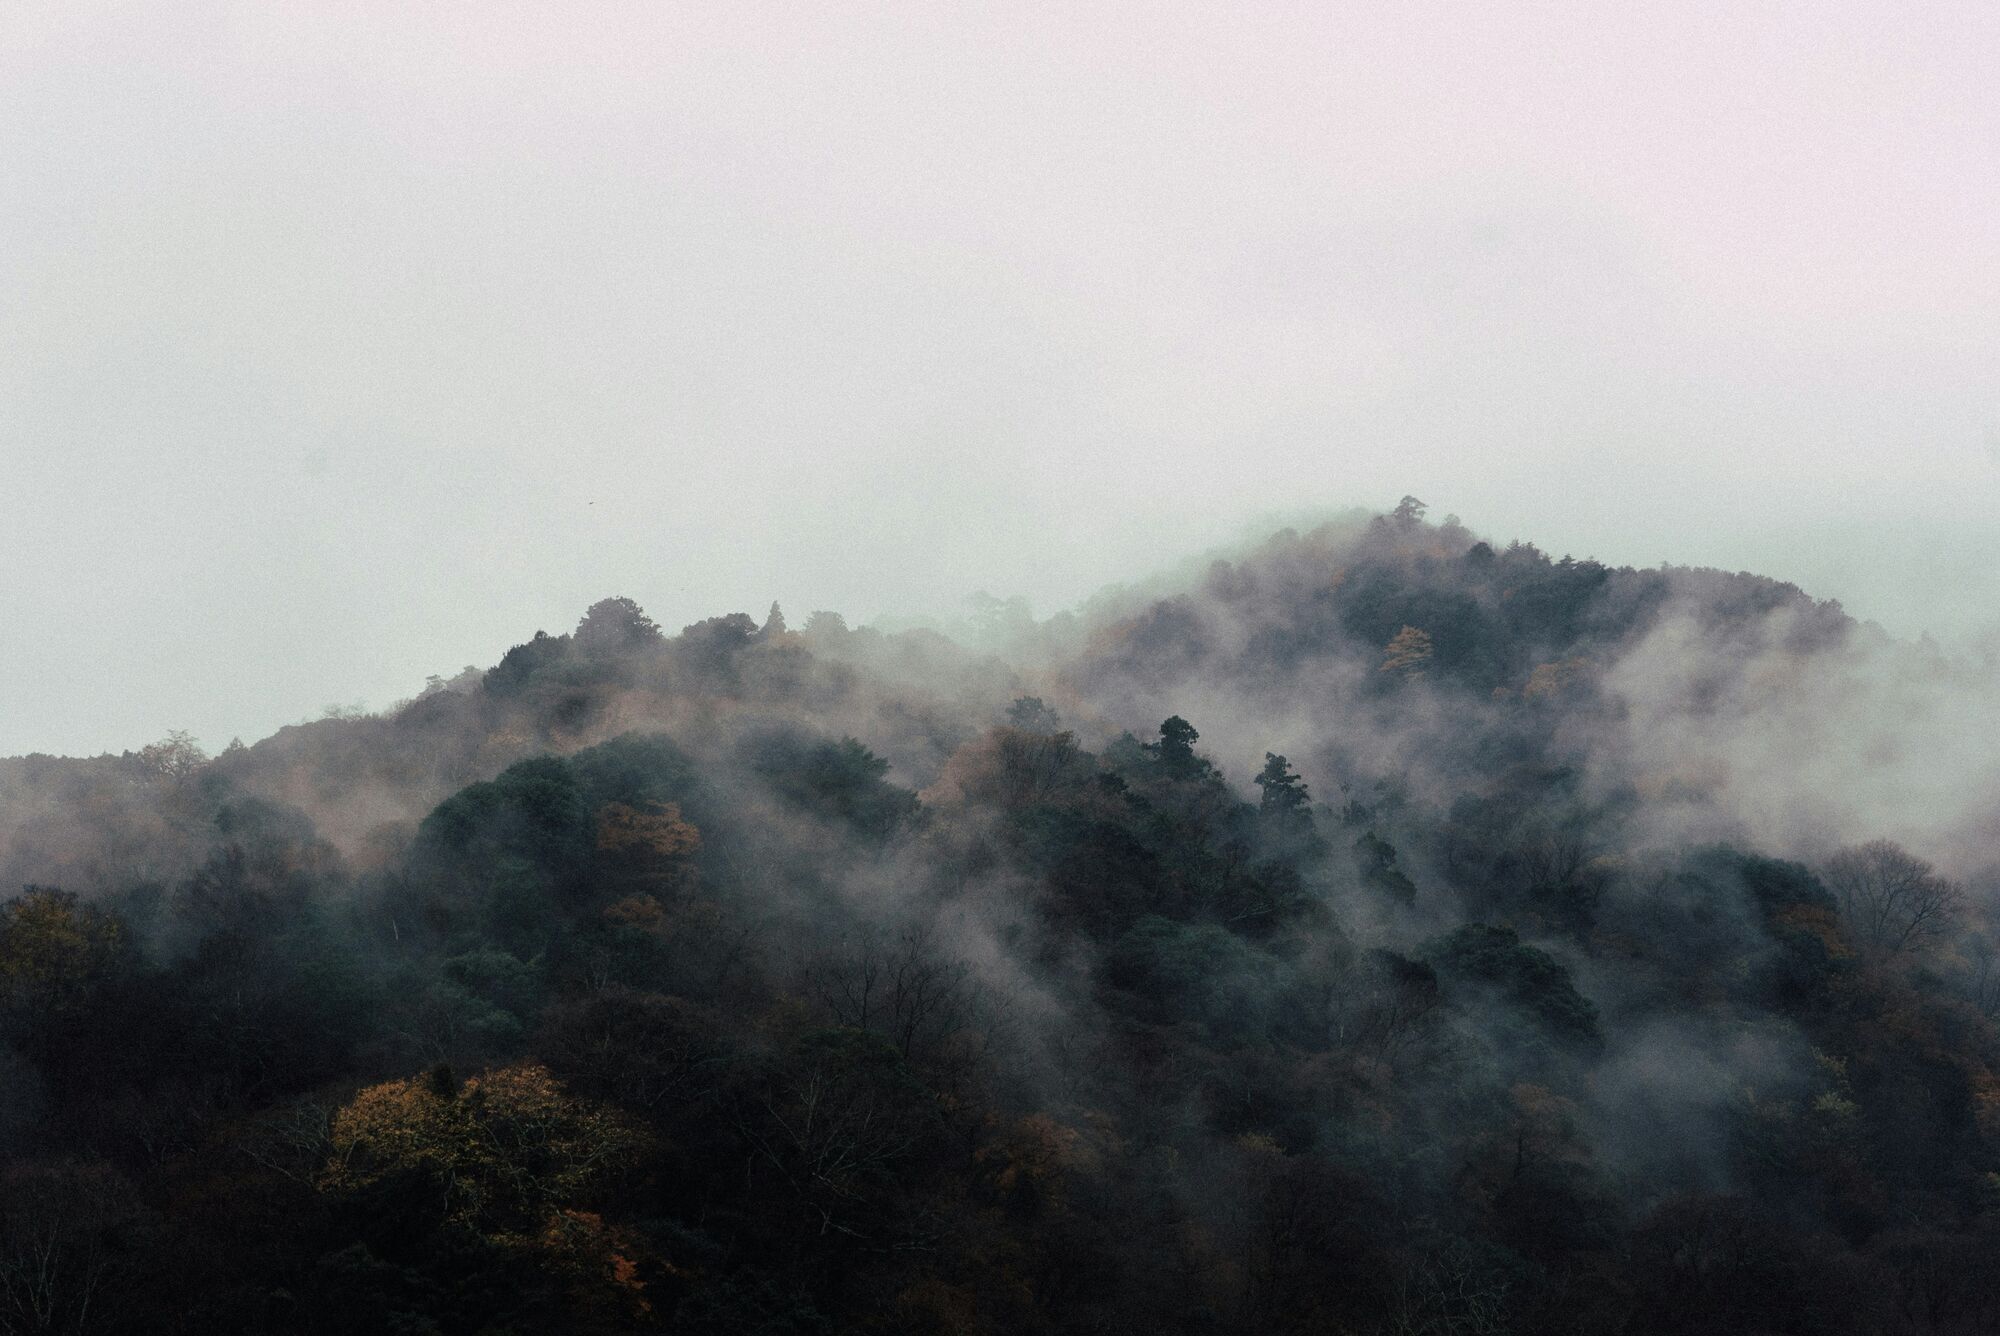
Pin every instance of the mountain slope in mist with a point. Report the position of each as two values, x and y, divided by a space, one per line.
1382 930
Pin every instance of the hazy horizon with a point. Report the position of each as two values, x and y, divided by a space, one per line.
350 344
397 678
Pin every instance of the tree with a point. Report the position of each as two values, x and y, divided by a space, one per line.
710 646
1409 513
1285 811
1552 867
833 1124
1407 652
910 991
1388 1005
57 1251
1526 976
824 625
1892 899
1448 1289
175 757
501 1152
997 621
840 781
1554 682
532 818
1175 749
1030 715
55 957
611 625
646 1051
649 840
1012 768
1285 794
1376 858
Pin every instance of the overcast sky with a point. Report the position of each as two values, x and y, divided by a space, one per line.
344 343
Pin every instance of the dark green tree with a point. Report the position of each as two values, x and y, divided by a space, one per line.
1285 794
1377 860
1030 715
1285 811
614 624
1175 749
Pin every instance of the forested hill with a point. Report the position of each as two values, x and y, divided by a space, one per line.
1482 619
1383 931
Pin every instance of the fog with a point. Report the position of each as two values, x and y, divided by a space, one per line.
346 344
1506 964
1155 872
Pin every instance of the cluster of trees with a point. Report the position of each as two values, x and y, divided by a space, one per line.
722 1028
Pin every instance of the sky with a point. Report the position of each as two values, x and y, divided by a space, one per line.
346 343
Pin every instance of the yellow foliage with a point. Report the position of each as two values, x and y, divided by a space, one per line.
642 912
1693 781
503 1149
1986 1103
1542 1108
1407 652
1551 681
1010 767
652 830
601 1262
1260 1143
687 920
51 948
1030 1162
1821 924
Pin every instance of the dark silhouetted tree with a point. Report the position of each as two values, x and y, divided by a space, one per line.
613 625
1030 715
1284 793
1175 749
1892 899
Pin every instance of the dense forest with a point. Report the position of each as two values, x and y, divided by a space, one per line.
1374 930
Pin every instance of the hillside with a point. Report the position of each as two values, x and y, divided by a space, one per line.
1383 930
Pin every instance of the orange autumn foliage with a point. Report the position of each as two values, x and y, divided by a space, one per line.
645 830
501 1150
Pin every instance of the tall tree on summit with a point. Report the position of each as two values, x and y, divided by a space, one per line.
614 624
1175 749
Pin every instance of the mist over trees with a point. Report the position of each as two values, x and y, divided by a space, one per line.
1379 930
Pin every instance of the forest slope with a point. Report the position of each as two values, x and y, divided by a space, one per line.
1382 932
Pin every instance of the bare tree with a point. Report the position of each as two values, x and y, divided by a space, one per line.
295 1140
1891 899
1552 861
833 1120
903 988
174 758
56 1254
1447 1292
1982 973
645 1050
1388 1006
1034 767
910 990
